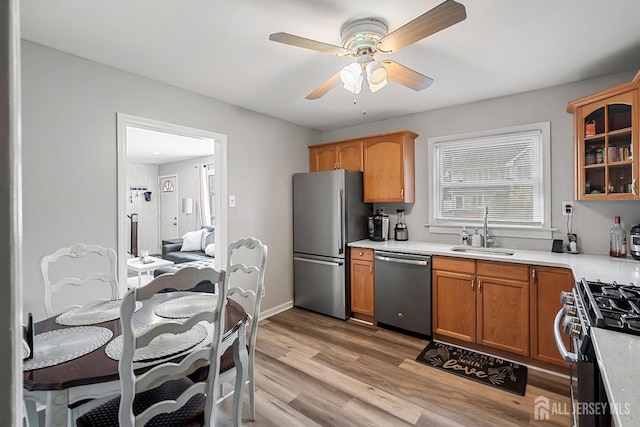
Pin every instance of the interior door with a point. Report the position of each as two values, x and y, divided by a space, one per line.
168 207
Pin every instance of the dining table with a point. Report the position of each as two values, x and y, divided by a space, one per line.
95 375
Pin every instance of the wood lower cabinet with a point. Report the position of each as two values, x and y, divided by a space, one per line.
503 306
454 305
547 283
483 302
344 155
362 285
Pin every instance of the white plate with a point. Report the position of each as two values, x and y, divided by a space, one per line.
187 306
98 312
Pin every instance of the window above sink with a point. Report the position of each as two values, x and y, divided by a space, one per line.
506 169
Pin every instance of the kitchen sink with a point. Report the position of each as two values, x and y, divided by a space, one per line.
486 251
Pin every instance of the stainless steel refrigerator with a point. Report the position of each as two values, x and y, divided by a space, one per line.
328 213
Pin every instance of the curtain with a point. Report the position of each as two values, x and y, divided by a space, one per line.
203 195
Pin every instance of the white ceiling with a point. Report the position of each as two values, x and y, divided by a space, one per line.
152 147
221 49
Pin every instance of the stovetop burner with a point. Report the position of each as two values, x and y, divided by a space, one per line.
611 305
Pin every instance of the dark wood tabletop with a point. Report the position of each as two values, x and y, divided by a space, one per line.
97 367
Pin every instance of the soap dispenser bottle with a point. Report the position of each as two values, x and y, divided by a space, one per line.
476 239
464 236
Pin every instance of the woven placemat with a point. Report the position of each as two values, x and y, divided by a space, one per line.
187 306
98 312
59 346
162 346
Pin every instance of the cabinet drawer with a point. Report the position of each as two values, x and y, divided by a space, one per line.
362 254
459 265
503 270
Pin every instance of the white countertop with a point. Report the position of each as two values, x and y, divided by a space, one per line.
590 267
616 352
617 355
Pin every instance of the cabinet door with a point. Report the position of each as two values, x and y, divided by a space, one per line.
546 285
503 314
606 135
389 168
323 158
454 305
350 156
362 287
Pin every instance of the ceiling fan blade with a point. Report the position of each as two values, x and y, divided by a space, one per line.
287 38
406 76
325 87
440 17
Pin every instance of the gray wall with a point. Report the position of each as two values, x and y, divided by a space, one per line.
10 216
592 220
69 161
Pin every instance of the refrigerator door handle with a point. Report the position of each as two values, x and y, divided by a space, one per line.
341 216
316 261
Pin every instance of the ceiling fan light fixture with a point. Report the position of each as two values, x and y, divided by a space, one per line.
351 74
376 73
376 87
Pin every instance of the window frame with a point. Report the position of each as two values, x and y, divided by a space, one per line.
440 226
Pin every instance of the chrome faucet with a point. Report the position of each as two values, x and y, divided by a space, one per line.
487 238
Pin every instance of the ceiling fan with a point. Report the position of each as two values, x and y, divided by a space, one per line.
364 38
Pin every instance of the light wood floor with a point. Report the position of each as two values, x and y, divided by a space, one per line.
315 370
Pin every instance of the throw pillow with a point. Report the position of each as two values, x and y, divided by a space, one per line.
207 238
192 241
210 250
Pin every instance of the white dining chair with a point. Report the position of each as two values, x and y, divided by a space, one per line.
78 258
249 274
163 395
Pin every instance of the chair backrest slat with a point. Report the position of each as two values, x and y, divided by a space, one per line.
79 252
203 354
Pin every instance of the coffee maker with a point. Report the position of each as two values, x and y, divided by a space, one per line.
379 226
400 230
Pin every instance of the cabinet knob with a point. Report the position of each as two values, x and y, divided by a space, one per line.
400 315
360 253
472 284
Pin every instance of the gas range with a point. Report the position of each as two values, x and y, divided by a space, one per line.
611 305
593 304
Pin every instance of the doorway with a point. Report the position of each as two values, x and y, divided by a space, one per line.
168 207
142 160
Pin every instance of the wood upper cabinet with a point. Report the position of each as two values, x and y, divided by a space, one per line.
546 285
389 168
454 298
362 285
387 160
503 306
344 155
483 302
606 126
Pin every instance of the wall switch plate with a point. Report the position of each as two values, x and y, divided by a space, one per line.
232 201
567 208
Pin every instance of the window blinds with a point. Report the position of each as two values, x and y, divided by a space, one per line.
503 172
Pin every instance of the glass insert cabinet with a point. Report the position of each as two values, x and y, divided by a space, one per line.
606 143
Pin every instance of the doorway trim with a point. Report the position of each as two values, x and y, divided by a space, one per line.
220 141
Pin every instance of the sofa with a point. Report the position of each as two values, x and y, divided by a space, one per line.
196 245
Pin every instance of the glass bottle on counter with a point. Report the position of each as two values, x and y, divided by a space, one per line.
617 240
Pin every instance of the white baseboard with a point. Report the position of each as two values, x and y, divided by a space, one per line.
275 310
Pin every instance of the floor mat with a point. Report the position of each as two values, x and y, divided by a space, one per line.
487 369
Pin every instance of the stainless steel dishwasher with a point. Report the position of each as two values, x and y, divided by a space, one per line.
403 291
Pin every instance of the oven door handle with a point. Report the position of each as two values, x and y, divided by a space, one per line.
567 356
